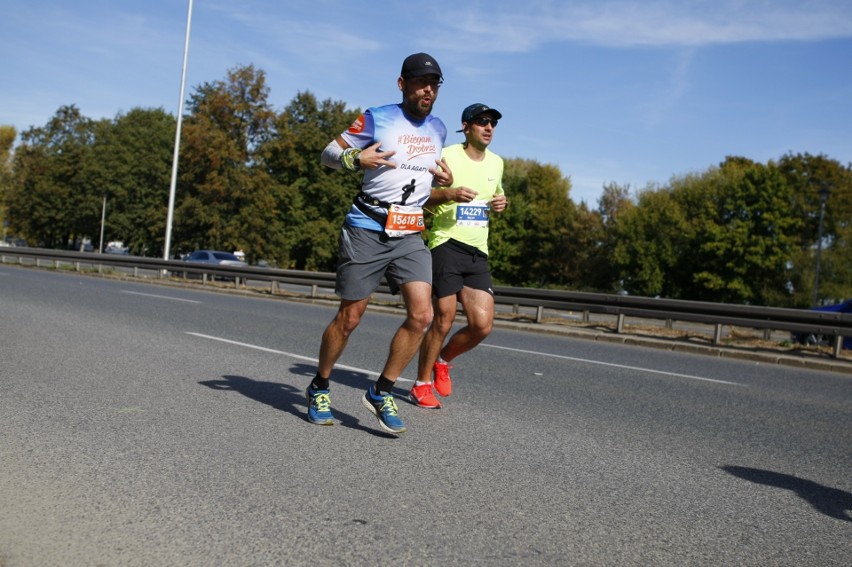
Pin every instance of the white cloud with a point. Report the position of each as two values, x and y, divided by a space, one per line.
517 27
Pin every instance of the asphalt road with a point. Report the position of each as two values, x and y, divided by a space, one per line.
147 425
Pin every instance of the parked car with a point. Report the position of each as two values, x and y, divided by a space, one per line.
818 339
215 257
14 241
116 247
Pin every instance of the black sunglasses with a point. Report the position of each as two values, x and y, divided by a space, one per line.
484 121
420 82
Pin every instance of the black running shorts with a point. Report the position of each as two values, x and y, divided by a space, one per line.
456 265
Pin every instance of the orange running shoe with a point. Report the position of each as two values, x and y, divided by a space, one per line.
421 395
443 384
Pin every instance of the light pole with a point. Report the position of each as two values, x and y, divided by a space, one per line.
823 197
103 219
171 209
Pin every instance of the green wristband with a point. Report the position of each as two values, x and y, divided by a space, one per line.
349 159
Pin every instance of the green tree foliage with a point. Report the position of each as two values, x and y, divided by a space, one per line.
131 168
648 248
727 235
746 249
314 198
228 200
49 202
601 229
7 142
807 175
250 178
534 239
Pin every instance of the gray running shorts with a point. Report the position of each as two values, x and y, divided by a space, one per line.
365 256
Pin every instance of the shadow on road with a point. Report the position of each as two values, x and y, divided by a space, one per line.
830 501
290 399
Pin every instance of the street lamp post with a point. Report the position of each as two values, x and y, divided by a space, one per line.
103 219
823 197
170 213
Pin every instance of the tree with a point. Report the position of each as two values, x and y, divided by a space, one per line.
7 142
313 199
807 175
746 248
599 268
532 242
49 202
131 168
227 198
650 244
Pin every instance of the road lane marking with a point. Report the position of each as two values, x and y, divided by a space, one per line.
625 367
160 296
290 354
371 373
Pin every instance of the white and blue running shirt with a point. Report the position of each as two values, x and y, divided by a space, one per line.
417 145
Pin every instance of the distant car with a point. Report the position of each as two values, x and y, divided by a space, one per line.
116 247
12 241
215 257
818 339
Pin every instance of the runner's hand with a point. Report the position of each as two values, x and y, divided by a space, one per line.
443 177
498 203
464 195
371 157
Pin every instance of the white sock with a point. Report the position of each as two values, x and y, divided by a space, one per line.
419 383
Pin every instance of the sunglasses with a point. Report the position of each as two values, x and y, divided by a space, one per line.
484 121
421 82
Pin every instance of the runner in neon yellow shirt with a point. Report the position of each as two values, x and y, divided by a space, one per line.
459 244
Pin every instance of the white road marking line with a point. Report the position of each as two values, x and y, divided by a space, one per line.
160 296
290 354
616 365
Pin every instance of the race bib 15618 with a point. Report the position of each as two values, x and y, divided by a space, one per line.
404 220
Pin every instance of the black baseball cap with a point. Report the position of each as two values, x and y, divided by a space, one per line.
420 64
475 110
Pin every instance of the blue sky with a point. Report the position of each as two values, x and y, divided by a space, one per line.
631 92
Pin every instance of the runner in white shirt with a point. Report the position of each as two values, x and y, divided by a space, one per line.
398 147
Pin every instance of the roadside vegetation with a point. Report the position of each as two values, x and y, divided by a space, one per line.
250 179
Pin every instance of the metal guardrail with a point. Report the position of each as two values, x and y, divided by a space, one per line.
829 324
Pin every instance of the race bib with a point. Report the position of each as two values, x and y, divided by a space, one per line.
475 213
404 219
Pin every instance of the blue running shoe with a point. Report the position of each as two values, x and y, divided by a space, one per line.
383 407
319 407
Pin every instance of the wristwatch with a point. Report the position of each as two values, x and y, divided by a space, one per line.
357 162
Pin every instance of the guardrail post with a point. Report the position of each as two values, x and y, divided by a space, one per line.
204 278
515 309
717 334
838 344
77 266
135 272
273 290
314 290
619 326
669 324
587 317
539 314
